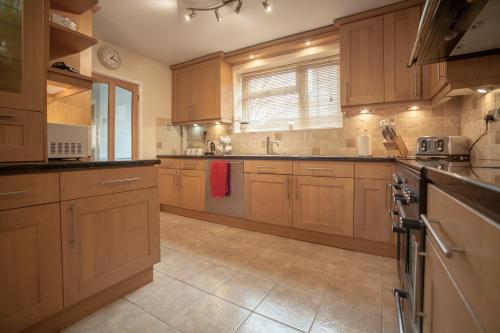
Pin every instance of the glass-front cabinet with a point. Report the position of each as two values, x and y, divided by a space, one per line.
22 54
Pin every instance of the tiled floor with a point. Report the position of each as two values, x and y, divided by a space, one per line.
219 279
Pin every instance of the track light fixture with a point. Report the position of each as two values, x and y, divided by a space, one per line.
189 16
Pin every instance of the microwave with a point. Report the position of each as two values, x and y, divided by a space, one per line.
68 141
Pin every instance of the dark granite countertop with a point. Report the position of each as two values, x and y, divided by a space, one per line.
67 165
284 157
477 185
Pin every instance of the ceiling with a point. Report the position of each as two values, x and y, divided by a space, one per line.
158 29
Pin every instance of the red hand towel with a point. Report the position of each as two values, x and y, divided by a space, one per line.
219 172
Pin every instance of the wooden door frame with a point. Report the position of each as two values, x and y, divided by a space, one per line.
134 88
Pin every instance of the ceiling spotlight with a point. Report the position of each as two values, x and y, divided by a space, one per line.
365 111
238 7
482 90
217 15
190 16
217 123
414 108
266 6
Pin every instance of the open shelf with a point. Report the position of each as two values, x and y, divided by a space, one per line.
62 83
73 6
64 41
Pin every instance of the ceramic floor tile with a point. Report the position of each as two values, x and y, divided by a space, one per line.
291 307
363 262
206 276
171 301
160 281
306 278
211 315
244 290
258 324
358 289
269 265
334 317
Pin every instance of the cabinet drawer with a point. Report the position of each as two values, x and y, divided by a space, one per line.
369 170
21 134
170 163
324 169
476 268
28 190
80 184
263 166
192 164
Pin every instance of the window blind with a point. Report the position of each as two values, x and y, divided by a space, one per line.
298 96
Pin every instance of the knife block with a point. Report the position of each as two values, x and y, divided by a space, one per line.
396 147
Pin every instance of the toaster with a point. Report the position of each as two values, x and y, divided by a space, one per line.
443 146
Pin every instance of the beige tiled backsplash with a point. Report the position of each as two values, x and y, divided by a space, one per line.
460 116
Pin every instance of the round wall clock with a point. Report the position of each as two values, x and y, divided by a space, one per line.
109 57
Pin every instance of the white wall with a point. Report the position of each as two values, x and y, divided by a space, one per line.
155 91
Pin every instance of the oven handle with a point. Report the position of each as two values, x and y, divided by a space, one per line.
446 249
398 295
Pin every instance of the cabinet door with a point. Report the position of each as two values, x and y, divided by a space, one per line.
362 62
400 29
107 239
206 90
30 257
192 189
181 95
371 210
438 77
324 204
21 135
444 309
22 60
169 186
268 198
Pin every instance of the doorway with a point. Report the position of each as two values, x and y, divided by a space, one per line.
114 115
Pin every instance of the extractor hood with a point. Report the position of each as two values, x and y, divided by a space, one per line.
455 29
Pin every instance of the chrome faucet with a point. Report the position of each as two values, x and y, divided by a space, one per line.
269 146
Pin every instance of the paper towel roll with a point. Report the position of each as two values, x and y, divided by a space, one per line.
364 145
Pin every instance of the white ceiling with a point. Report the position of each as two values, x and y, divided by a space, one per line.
157 28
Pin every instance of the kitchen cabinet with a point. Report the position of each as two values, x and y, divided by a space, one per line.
192 189
30 257
107 239
371 210
362 62
169 186
437 79
324 204
401 83
444 308
202 92
268 198
22 61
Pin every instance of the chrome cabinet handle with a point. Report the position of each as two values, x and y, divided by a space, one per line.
5 194
3 115
415 83
438 71
446 249
321 169
296 188
288 188
180 180
398 295
176 180
104 182
264 167
74 217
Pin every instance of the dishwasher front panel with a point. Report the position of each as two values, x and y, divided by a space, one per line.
234 203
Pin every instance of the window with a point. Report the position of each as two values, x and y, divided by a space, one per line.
299 96
114 118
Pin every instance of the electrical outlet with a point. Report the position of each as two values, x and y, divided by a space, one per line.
494 115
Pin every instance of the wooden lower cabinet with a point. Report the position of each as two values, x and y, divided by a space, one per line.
324 204
107 239
169 186
30 257
268 198
371 210
444 308
192 189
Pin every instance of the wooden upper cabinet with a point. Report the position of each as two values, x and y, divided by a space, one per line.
23 63
30 257
202 92
324 204
362 62
437 79
444 307
400 29
371 210
268 198
107 239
